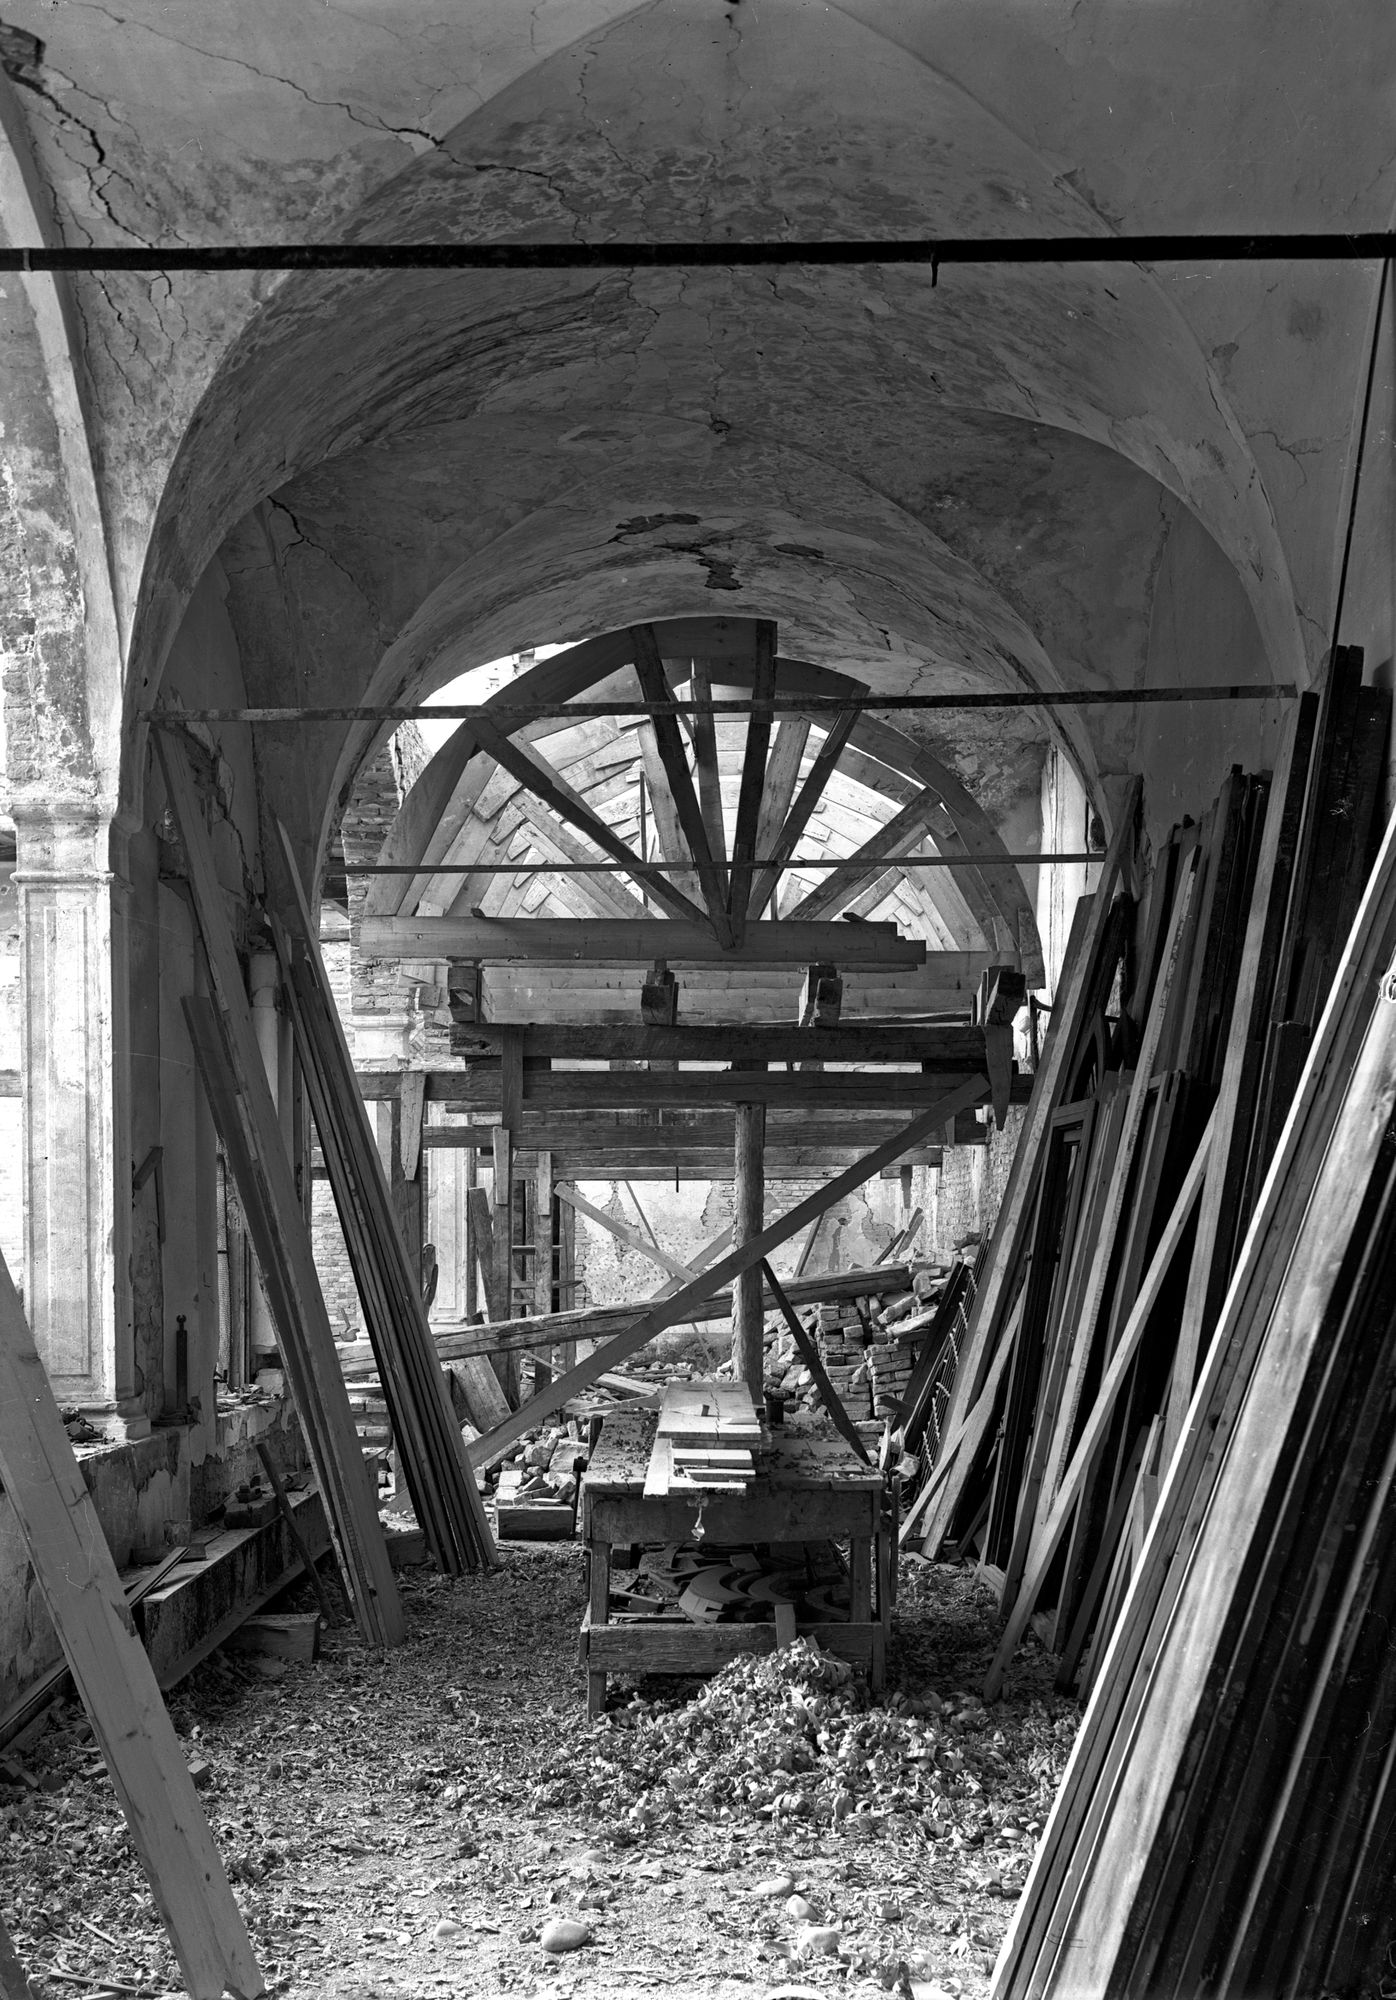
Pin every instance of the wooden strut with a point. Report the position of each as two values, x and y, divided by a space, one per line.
678 1307
814 1361
72 1563
240 1099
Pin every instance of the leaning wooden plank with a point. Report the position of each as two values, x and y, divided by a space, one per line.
14 1985
1047 1535
240 1098
1222 1218
1193 1712
444 1482
742 1258
72 1564
276 1225
1103 1247
1089 931
961 1448
1102 1747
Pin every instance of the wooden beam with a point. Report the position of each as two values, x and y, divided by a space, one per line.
240 1099
839 730
623 1233
621 1089
534 772
569 941
575 1161
941 990
739 1259
1047 1533
751 797
672 845
456 1343
896 836
782 776
654 685
706 770
748 1215
1089 933
145 1760
607 893
814 1361
951 1047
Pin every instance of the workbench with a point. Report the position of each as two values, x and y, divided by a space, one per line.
806 1489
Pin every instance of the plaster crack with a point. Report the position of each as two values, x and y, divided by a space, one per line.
22 59
372 123
1302 449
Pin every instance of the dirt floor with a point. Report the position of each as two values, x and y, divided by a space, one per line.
409 1825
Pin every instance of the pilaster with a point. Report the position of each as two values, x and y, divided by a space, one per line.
74 1049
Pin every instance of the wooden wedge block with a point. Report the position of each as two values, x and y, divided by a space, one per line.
283 1635
536 1523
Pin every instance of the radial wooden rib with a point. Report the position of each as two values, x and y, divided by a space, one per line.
532 771
672 845
752 795
654 685
897 836
808 797
782 776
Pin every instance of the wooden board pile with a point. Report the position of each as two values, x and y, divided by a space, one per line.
705 1440
1226 1822
1174 1030
427 1438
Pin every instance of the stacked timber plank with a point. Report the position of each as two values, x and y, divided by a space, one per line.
1144 1149
1225 1824
705 1439
427 1436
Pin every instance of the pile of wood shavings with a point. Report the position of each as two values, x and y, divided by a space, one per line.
393 1834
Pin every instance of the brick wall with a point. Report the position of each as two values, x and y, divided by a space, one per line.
11 1183
379 987
963 1198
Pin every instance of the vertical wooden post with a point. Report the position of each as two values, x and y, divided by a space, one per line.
748 1206
472 1281
543 1235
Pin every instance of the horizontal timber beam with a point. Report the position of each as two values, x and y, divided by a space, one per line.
567 941
457 1343
951 1047
478 1089
813 705
797 863
710 1163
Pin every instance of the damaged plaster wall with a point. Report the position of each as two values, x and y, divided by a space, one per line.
855 1230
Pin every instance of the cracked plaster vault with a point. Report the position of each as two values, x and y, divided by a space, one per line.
220 491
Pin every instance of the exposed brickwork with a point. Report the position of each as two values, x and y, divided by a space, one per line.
11 1184
383 783
972 1180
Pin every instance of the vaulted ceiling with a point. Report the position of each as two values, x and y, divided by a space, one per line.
1114 475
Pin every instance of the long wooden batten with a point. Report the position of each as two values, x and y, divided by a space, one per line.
614 941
